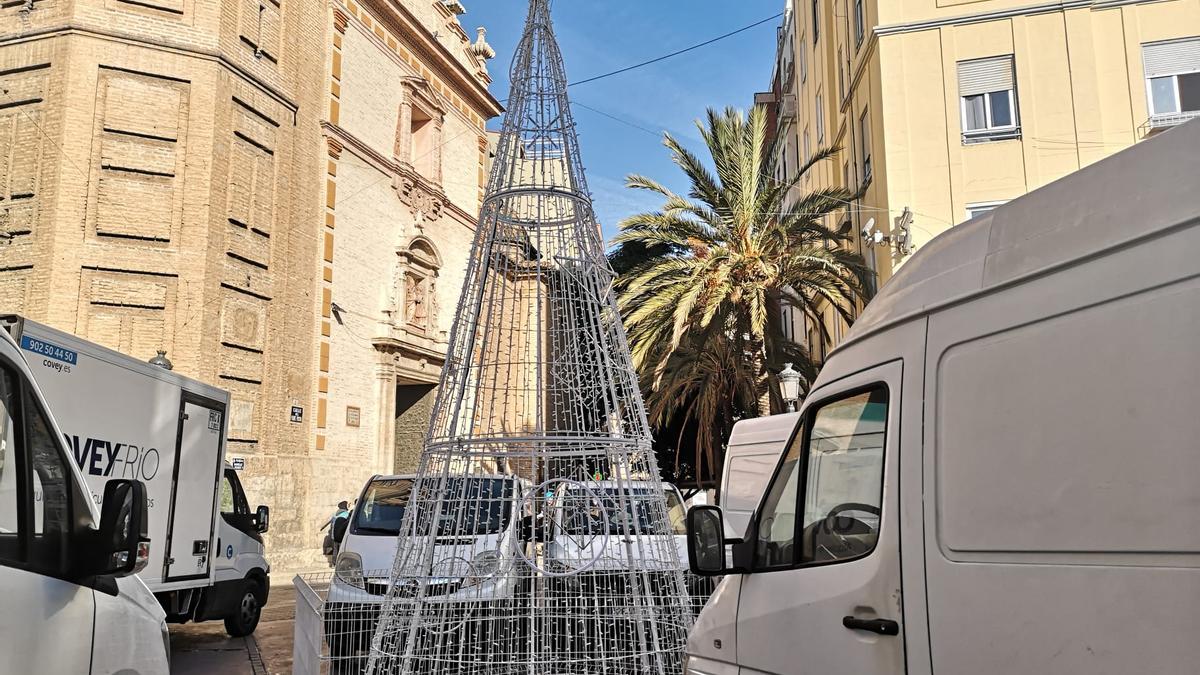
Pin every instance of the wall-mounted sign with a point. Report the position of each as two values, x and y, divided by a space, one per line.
297 414
238 463
353 415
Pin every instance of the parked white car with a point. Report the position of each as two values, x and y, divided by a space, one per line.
72 603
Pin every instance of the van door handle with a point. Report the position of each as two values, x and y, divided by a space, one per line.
881 626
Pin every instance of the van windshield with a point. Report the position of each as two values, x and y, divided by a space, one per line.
582 515
381 508
473 506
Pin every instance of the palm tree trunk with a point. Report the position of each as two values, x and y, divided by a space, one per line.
762 377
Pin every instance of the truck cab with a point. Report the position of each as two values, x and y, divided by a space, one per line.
72 601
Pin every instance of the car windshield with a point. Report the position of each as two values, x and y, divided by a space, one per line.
473 506
582 514
381 508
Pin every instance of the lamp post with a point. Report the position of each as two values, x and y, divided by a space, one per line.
789 386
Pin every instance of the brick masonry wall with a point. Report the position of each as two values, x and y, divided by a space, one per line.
163 199
167 185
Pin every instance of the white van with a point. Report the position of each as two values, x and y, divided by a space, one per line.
580 542
750 458
996 472
472 557
71 601
125 418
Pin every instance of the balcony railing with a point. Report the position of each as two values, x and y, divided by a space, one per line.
1163 121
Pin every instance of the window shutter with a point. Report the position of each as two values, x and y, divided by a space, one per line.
1171 58
983 75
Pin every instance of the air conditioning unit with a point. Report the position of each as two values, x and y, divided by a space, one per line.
787 107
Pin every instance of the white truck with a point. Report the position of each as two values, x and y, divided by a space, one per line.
123 418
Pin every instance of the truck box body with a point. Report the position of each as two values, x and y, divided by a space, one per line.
125 418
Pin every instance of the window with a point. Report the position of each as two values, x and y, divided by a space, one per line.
233 499
980 208
51 492
820 120
841 76
1172 77
35 484
843 486
835 474
816 18
10 522
381 509
783 162
987 91
676 513
776 535
807 146
858 22
803 60
864 130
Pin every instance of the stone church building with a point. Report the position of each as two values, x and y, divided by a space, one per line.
280 194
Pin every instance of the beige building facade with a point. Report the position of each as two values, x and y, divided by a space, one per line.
946 108
215 178
407 152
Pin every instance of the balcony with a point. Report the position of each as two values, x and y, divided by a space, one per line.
787 107
1164 121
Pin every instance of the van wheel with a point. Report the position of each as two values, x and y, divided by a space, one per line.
245 616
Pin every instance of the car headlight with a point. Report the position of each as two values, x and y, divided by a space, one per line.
348 569
485 565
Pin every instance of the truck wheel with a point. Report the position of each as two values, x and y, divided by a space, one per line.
245 616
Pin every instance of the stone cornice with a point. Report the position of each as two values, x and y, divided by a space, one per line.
421 347
1028 10
395 169
158 41
433 54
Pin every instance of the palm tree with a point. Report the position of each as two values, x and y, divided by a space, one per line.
701 297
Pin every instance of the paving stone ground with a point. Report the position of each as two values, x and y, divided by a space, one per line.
205 648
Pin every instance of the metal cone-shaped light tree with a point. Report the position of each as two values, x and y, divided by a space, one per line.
538 537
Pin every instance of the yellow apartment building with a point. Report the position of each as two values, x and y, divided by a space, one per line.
944 109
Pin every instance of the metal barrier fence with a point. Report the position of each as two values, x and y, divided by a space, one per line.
336 618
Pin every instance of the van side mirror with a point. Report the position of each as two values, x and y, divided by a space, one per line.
262 518
121 546
706 540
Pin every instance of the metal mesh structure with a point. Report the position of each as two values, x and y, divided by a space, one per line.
537 537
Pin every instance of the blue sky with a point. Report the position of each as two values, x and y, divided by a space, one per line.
598 36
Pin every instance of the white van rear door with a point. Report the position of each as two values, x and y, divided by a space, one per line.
824 593
197 470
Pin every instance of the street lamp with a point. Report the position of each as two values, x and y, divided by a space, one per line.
789 386
161 360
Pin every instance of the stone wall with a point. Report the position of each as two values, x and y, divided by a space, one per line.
174 184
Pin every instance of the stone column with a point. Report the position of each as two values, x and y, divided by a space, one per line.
385 411
436 177
403 149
